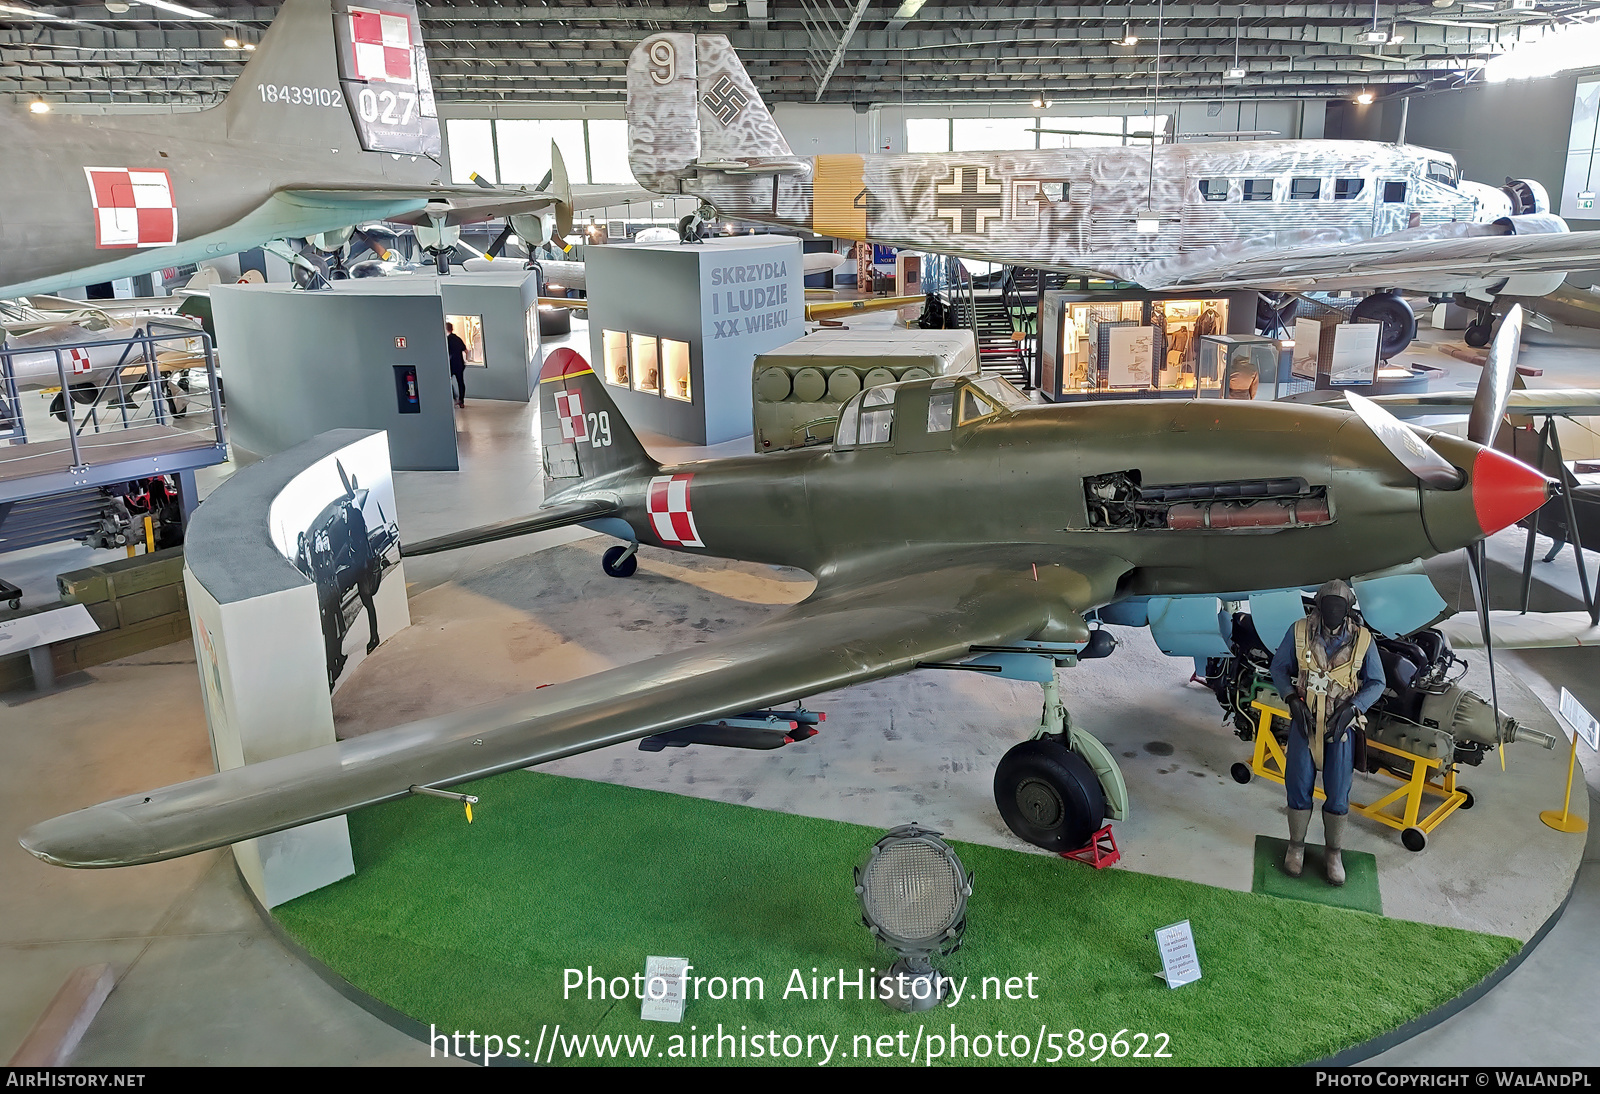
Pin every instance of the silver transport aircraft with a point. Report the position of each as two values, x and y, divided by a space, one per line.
1274 216
331 124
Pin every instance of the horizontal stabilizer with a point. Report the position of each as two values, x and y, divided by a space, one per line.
562 515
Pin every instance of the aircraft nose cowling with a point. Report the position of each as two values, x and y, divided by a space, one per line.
1504 490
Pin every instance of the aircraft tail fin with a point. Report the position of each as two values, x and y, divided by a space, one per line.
339 77
691 100
583 435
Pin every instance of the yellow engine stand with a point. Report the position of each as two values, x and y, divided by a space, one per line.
1270 762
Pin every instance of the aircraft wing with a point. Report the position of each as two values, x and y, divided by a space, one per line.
471 204
1423 265
855 631
558 515
1515 631
1570 402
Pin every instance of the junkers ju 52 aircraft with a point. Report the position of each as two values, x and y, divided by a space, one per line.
1274 216
950 522
331 124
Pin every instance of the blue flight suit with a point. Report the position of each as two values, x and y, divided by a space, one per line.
1338 767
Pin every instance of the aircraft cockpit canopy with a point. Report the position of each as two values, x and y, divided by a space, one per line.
869 418
1443 171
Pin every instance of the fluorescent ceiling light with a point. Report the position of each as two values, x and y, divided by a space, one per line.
1562 48
1234 74
179 9
34 14
1375 37
1148 226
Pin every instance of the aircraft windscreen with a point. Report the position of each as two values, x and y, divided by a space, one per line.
1002 391
1447 173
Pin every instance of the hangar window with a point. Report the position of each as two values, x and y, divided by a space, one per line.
1214 189
1394 191
1348 189
1258 189
1305 189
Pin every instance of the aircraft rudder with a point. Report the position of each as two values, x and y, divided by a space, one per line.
582 433
339 77
663 118
734 120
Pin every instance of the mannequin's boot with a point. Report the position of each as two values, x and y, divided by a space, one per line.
1333 838
1294 860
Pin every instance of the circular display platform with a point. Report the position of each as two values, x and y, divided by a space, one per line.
741 861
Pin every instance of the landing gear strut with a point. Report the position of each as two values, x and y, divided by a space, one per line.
1056 790
621 561
1480 329
1399 321
690 227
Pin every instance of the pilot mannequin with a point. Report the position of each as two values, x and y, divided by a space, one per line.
1329 672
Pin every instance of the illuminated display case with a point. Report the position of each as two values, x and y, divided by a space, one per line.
1081 356
1237 366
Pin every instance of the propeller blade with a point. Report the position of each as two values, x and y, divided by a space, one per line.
481 182
499 243
544 183
563 192
349 488
1404 444
374 245
1499 371
1480 593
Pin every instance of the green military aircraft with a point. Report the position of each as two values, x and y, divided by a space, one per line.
951 523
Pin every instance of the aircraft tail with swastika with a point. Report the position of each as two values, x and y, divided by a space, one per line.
583 435
691 104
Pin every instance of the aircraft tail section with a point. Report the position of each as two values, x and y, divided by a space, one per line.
584 436
340 77
690 100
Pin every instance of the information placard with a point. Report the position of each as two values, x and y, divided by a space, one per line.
1584 723
663 989
1180 965
27 631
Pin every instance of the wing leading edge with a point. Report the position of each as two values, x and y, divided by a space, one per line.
1418 264
843 636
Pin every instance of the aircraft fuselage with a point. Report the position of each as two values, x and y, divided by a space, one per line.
1334 501
1112 212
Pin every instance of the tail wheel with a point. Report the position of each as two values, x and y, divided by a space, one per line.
1478 334
1049 796
1399 321
614 564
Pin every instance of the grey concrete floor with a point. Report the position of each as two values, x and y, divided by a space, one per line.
202 981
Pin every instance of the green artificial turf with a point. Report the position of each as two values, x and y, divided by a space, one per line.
1359 891
470 928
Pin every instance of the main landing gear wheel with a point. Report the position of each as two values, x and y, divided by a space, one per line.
1049 796
620 561
1399 321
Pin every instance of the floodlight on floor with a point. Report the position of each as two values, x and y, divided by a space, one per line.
913 892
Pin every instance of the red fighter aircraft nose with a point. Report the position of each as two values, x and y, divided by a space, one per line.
1504 490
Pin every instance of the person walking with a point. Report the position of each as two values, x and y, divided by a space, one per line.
457 348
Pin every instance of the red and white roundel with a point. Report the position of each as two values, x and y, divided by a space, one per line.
667 502
569 409
381 41
78 358
132 207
